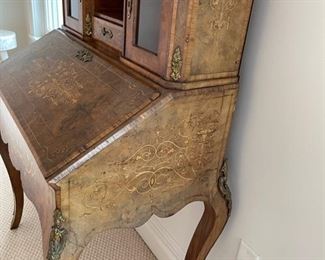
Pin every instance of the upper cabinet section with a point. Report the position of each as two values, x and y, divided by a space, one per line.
216 36
182 44
110 10
189 41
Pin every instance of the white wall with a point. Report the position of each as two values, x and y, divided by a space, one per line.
13 17
30 19
276 148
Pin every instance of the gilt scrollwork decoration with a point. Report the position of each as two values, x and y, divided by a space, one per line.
84 55
167 162
58 236
177 63
223 186
153 167
88 25
158 166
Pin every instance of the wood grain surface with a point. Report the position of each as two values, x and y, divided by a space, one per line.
34 184
160 165
63 105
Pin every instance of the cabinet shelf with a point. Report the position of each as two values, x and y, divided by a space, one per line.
111 16
111 10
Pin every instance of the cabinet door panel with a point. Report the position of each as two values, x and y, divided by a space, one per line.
74 9
73 15
148 32
149 25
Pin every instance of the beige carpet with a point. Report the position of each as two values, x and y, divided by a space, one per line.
25 242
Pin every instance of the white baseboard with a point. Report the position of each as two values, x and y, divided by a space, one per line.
159 240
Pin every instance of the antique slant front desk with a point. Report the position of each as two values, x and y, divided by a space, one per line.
122 114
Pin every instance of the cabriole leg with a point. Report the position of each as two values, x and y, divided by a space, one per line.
215 216
15 180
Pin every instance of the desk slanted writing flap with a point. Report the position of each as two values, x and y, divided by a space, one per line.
65 105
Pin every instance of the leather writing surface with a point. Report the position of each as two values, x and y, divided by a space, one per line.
64 105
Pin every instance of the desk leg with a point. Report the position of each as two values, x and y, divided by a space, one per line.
15 180
216 213
207 232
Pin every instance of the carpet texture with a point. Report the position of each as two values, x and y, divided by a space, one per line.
25 242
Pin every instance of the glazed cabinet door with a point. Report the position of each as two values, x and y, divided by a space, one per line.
73 15
148 25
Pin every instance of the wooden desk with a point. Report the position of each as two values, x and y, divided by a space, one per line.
99 147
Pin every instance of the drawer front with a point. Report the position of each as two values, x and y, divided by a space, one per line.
109 33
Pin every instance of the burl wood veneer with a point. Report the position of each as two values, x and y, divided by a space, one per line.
100 133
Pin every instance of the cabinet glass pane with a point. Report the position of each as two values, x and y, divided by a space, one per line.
149 24
74 8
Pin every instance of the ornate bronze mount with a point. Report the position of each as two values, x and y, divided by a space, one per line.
84 55
177 63
129 8
88 25
58 236
223 186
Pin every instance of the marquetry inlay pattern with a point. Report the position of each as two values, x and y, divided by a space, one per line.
179 153
56 84
59 91
222 9
103 129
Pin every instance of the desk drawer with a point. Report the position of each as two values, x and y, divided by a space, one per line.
109 33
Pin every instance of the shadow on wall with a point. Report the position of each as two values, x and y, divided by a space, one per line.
275 149
253 47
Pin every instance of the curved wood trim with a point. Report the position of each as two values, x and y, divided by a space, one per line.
221 81
72 250
33 183
16 185
209 229
216 213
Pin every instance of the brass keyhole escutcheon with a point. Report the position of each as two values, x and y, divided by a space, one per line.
107 32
